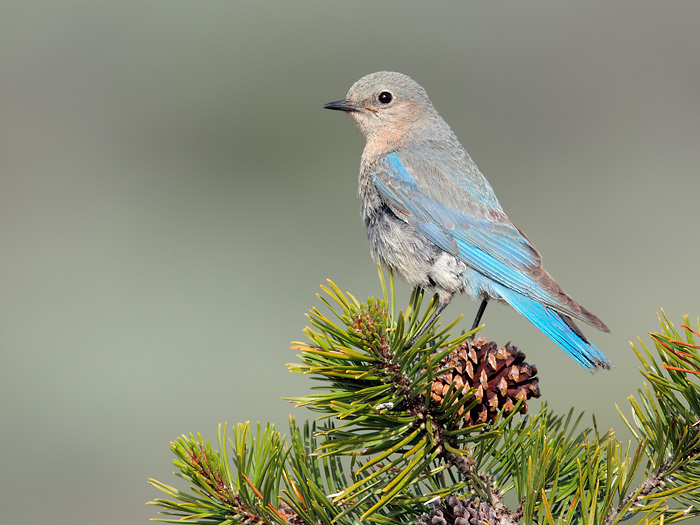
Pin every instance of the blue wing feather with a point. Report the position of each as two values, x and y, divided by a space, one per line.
558 330
479 232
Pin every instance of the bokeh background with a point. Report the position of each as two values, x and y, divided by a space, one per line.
172 194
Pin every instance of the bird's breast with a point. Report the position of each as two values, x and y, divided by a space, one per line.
394 243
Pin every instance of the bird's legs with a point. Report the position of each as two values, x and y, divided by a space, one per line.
438 311
480 313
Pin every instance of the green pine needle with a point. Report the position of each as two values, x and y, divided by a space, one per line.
382 447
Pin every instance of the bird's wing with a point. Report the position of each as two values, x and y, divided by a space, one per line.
453 206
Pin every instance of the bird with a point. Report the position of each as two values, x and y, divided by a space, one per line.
433 218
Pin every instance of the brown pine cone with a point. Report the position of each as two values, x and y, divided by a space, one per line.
500 376
455 511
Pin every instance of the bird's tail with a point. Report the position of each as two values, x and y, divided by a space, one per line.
559 328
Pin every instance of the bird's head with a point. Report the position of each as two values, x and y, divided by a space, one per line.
386 106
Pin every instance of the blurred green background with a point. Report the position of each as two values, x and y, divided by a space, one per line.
172 194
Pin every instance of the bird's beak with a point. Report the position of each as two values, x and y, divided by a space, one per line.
343 105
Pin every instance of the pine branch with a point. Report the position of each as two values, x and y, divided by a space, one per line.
478 479
636 499
437 427
665 419
404 407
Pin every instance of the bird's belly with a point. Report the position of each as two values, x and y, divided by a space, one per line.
398 245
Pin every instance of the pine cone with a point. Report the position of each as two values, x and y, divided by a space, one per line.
500 376
455 511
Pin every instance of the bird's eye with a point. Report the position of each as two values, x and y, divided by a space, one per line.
385 97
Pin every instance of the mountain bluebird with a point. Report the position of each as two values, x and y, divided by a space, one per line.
432 217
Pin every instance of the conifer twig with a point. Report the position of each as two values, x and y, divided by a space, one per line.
495 498
647 487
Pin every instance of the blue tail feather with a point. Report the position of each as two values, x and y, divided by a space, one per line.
559 329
